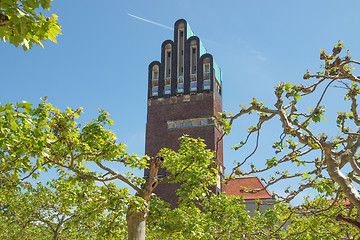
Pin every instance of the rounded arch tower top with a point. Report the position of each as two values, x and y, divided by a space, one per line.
182 69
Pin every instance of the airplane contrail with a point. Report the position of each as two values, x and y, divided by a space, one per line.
152 22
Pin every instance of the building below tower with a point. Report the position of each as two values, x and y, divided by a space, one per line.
236 187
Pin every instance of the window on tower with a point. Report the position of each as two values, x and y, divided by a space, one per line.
167 88
171 125
187 124
207 66
155 91
180 85
193 82
193 86
180 50
206 74
155 81
217 86
194 122
167 72
193 57
206 84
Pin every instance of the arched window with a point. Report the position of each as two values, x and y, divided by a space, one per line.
167 73
155 80
193 64
180 58
206 74
180 49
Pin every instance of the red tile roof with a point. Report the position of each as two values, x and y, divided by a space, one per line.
235 186
347 203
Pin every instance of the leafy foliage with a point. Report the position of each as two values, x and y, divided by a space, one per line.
64 210
22 23
43 138
38 139
191 166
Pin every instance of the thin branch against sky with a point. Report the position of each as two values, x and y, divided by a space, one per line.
149 21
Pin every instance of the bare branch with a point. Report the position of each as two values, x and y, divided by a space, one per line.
118 175
103 179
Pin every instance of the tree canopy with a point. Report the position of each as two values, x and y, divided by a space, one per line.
307 148
22 23
89 167
36 140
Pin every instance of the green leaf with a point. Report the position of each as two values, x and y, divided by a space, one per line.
271 162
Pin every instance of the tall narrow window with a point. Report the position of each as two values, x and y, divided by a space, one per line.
217 86
206 74
167 61
155 81
193 64
180 50
167 72
193 58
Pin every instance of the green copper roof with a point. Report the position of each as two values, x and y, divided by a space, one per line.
218 73
190 33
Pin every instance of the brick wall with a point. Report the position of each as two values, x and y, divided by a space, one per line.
158 136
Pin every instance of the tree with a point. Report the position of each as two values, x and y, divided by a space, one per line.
305 149
67 207
38 139
34 140
318 223
221 217
22 23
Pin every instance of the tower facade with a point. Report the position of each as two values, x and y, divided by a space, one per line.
184 95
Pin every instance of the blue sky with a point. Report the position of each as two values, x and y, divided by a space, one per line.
102 57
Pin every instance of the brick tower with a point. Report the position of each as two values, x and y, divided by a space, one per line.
184 94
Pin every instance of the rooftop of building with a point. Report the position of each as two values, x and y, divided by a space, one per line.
236 187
